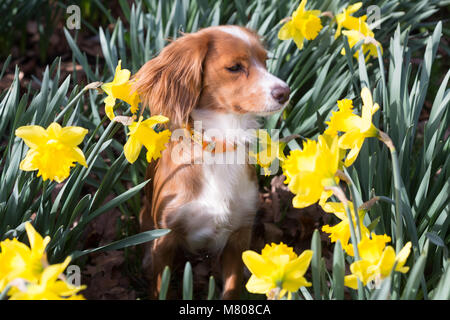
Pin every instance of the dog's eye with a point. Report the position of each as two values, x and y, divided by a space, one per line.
236 68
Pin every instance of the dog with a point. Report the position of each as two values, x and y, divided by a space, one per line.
216 77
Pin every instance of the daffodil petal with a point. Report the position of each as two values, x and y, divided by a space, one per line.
366 96
37 243
353 154
387 261
122 92
109 110
72 136
54 130
51 273
107 88
258 285
354 7
132 149
27 164
32 135
158 119
256 263
401 258
78 155
298 39
121 77
285 31
351 281
300 264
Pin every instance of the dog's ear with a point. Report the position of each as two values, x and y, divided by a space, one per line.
171 83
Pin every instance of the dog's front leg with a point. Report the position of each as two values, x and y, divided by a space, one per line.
232 265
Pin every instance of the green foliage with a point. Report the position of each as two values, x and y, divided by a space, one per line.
56 209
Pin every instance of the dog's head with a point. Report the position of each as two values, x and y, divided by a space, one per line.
220 68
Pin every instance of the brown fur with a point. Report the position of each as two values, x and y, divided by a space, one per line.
189 73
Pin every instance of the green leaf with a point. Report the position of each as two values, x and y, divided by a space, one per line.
165 281
80 57
306 293
442 291
187 282
211 288
414 277
338 271
126 242
435 239
383 292
316 247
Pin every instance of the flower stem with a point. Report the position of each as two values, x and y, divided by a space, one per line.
397 186
4 293
346 178
339 193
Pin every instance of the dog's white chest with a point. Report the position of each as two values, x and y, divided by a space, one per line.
227 201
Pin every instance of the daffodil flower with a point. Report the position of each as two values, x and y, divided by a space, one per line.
142 134
269 150
345 19
304 24
53 151
362 32
310 171
27 271
120 88
341 231
377 261
278 266
17 260
356 128
48 286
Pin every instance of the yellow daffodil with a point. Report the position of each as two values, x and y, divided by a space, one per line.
377 261
17 260
278 266
28 273
304 24
120 88
309 171
341 231
339 119
48 286
362 32
142 134
269 150
53 151
356 128
345 19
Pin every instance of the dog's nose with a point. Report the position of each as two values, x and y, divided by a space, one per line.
281 93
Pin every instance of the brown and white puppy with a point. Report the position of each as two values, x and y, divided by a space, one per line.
216 76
